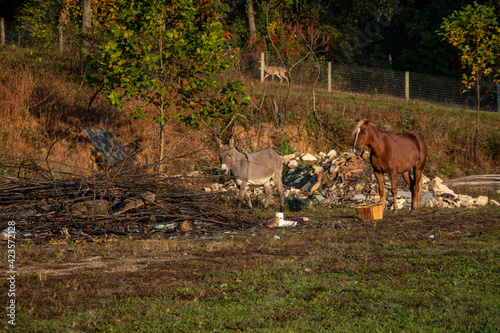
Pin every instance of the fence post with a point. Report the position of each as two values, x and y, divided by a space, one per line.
407 85
2 31
329 76
262 63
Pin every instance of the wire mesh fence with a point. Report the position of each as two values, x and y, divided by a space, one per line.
366 80
344 77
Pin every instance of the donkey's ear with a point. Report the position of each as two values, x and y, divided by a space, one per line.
219 142
231 142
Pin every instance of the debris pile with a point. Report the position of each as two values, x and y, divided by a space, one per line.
347 179
133 206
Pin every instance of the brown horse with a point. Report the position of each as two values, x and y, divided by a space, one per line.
393 154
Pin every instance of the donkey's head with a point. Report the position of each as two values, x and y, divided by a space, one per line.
361 134
227 154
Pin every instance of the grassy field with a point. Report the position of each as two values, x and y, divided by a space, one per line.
431 271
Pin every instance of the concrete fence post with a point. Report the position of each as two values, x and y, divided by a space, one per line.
407 85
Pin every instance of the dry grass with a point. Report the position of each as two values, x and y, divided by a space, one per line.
43 110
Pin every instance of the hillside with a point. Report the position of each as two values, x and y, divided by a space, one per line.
45 105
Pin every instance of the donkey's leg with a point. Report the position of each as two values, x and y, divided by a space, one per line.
243 194
381 191
249 201
269 193
279 186
394 188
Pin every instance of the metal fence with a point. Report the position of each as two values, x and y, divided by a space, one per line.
357 79
366 80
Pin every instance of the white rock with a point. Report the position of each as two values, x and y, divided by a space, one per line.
332 153
290 157
438 187
317 169
481 200
293 164
217 187
308 157
436 181
494 202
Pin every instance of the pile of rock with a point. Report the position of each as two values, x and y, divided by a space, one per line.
347 179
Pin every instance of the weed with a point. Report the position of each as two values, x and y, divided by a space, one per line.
284 148
294 204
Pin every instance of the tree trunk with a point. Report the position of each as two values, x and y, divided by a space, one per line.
251 22
86 22
476 134
63 21
161 167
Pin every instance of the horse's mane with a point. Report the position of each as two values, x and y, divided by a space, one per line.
358 126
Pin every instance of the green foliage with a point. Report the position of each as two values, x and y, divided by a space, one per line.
476 33
284 148
167 53
294 204
38 18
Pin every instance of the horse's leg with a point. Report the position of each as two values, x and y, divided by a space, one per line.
410 181
406 177
394 188
380 180
269 192
416 201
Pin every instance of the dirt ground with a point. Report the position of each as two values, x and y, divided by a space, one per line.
61 273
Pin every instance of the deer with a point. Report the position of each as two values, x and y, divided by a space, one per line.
275 70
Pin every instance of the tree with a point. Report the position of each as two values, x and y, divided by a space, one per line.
39 18
251 22
166 53
293 44
475 32
86 21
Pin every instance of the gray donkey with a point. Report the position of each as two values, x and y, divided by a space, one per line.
257 168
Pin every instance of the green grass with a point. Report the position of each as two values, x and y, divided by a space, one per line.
367 286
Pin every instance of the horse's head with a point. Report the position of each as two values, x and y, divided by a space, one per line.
227 152
361 133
